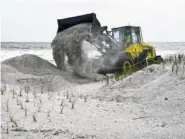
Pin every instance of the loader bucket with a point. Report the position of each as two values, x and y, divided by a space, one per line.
72 21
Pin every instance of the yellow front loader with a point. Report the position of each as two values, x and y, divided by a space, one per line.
134 53
131 52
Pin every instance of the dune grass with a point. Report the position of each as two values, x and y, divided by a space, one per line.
176 61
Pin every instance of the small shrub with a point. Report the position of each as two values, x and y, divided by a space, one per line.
13 121
35 95
27 89
49 90
171 59
39 108
180 58
13 92
7 106
62 102
42 89
27 99
20 92
73 104
21 105
3 89
70 99
176 71
7 130
85 98
129 79
26 111
164 63
173 66
34 117
117 76
17 101
67 95
62 108
107 79
40 100
48 112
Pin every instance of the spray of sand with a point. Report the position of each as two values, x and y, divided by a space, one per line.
69 43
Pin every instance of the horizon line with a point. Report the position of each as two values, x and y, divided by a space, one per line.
50 42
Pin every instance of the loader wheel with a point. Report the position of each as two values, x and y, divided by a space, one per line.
124 64
127 67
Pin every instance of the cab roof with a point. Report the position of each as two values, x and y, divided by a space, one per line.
128 26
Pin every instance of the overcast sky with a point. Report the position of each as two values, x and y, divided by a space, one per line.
36 20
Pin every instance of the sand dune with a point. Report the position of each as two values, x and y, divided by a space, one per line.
146 104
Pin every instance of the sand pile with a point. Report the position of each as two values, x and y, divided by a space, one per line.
32 64
32 70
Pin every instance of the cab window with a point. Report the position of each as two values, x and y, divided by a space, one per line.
134 36
116 35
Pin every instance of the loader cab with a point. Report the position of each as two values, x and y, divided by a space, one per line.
127 35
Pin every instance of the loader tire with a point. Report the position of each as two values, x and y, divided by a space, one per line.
127 67
124 65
